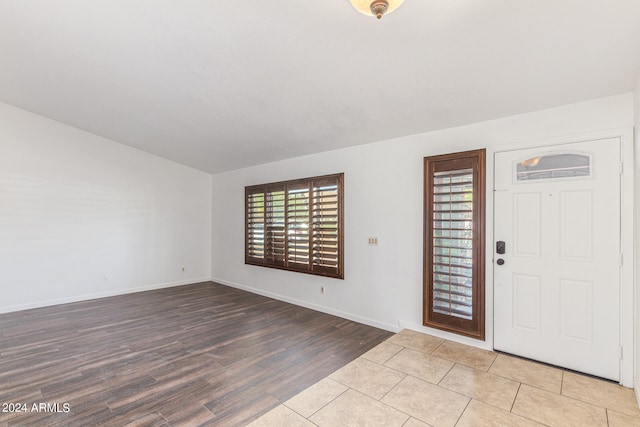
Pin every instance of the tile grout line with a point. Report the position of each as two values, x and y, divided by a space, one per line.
523 416
438 346
600 404
515 398
406 376
447 373
569 398
494 361
393 369
386 404
584 402
323 406
394 386
463 411
394 354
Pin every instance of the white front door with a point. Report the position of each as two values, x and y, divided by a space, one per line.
557 284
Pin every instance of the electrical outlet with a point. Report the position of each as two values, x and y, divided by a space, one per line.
322 290
105 278
182 268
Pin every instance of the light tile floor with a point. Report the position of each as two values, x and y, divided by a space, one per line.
413 380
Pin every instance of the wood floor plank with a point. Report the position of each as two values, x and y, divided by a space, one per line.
201 354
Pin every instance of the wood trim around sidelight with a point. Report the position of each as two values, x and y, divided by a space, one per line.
472 325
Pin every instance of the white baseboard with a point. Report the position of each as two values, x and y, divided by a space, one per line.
86 297
328 310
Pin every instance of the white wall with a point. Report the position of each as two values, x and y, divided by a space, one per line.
82 216
383 198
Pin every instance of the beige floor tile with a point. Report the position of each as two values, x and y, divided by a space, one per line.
281 416
416 340
427 402
528 372
479 414
555 410
621 420
382 352
315 397
466 355
414 422
368 377
420 365
601 393
353 409
488 388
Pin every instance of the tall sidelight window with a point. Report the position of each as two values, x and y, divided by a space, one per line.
296 225
454 188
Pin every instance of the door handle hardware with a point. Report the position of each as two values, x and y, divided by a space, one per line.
500 247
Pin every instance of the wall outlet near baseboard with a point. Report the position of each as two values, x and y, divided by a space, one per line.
322 290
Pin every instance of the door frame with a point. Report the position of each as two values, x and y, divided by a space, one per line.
627 305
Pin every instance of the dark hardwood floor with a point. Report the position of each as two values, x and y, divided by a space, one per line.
202 354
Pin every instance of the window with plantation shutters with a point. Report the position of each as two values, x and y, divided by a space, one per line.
296 225
454 243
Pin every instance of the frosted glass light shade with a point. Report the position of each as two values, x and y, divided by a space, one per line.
364 6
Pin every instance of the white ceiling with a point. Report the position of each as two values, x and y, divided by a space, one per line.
220 85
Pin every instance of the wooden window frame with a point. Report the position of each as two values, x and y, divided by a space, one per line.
315 264
475 327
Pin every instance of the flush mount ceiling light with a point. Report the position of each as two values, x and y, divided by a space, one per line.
376 8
